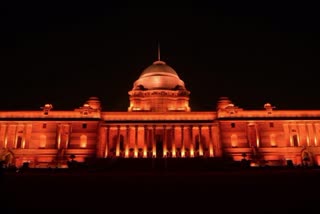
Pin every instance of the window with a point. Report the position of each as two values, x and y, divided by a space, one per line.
271 125
233 125
44 125
84 125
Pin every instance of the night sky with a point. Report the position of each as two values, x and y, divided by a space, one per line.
253 52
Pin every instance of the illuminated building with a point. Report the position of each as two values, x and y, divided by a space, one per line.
160 123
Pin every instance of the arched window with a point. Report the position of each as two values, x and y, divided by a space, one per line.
43 141
234 140
83 141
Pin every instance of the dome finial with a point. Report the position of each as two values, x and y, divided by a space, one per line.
157 62
159 51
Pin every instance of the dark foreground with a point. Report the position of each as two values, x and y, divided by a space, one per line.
223 191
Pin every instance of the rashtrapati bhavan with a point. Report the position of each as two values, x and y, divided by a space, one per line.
159 123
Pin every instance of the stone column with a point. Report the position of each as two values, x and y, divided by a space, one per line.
256 127
178 137
182 141
165 146
217 148
154 148
127 141
205 133
173 140
4 135
123 138
196 131
140 139
211 150
112 145
136 141
118 142
200 141
287 134
131 142
15 136
67 133
191 138
107 147
145 141
101 147
27 135
317 134
59 127
188 138
310 135
303 134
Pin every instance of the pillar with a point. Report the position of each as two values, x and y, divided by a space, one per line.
3 135
316 136
127 142
310 135
140 139
303 135
165 146
287 138
173 140
182 141
145 141
211 150
154 149
118 142
217 148
101 147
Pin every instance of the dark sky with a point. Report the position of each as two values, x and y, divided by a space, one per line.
253 52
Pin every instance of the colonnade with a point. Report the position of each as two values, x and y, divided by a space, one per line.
158 141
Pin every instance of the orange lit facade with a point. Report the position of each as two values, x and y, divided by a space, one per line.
160 123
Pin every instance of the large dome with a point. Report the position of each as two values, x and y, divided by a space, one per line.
159 75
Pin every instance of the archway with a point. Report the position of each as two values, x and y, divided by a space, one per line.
7 158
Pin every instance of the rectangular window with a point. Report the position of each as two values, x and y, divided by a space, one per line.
84 125
271 125
44 125
233 125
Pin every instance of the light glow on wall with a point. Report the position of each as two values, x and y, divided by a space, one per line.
191 151
273 140
234 140
174 152
43 141
83 141
183 152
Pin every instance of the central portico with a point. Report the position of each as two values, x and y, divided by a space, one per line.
169 129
